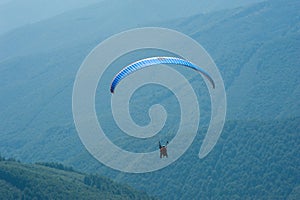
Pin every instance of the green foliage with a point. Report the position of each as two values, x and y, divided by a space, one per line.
256 50
8 159
104 184
56 165
252 160
29 181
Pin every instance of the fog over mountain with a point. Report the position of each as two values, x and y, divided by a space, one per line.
16 13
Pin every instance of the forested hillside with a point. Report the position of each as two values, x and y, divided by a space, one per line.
256 49
54 181
252 160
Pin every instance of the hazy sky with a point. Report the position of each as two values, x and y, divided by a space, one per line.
15 13
4 1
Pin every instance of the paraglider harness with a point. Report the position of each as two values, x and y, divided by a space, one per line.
163 150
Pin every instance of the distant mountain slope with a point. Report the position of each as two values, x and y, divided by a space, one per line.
40 61
99 21
252 160
31 181
256 50
17 13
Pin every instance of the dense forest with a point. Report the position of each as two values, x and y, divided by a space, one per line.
252 160
56 181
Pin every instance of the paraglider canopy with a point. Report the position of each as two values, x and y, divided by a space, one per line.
155 61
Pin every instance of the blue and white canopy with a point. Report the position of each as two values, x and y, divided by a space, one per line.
140 64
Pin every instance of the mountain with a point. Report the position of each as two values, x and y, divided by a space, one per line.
39 181
252 160
96 22
39 62
256 49
18 13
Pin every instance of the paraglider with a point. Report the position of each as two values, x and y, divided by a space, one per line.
163 150
140 64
